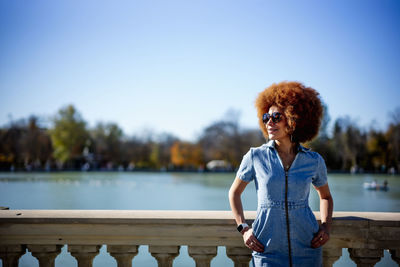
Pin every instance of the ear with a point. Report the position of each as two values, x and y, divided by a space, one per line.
291 128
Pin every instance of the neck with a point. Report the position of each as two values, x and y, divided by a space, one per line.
285 146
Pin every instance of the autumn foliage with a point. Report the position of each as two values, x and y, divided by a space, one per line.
186 155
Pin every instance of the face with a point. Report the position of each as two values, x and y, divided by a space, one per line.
276 130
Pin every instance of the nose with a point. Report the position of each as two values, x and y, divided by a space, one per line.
270 122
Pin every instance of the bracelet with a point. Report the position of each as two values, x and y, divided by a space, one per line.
242 226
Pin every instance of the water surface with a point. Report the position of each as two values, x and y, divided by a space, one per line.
172 191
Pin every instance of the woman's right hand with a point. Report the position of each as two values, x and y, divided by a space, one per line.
251 241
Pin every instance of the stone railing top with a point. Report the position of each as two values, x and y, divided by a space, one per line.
120 216
350 229
173 216
373 218
176 217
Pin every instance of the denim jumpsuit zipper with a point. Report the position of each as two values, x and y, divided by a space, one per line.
287 208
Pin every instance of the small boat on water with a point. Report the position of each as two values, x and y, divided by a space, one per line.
375 186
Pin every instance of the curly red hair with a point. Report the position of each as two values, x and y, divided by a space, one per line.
301 106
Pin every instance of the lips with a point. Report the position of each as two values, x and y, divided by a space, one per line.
270 130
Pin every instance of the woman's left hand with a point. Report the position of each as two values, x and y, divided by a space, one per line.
321 237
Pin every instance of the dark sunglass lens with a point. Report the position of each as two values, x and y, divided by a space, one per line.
266 117
276 117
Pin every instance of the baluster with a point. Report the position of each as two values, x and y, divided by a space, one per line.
202 255
123 254
10 254
84 254
330 255
241 256
365 257
164 254
395 255
46 254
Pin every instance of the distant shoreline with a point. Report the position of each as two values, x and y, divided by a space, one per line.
177 171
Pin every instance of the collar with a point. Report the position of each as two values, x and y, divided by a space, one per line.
271 144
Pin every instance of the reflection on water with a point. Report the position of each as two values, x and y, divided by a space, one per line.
172 191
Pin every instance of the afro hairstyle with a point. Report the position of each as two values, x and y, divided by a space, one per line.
301 106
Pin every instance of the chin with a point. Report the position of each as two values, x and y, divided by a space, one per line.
276 137
271 137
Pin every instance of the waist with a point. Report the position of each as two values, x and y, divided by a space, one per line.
281 204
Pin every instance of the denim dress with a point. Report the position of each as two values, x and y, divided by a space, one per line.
285 224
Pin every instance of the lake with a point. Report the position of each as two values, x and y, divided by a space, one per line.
172 191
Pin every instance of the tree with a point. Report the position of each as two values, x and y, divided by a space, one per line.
377 150
35 143
161 150
348 142
69 135
322 143
107 142
323 129
10 147
393 137
186 155
24 145
225 140
137 152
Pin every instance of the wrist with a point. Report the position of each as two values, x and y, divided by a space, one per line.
326 226
245 230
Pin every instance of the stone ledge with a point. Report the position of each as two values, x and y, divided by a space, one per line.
174 216
200 228
119 216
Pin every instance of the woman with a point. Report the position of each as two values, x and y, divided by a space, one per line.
285 231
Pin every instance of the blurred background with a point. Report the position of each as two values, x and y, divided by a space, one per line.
105 103
171 85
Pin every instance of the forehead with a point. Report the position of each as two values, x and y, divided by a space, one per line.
274 108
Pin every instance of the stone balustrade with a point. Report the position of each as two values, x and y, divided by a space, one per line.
44 232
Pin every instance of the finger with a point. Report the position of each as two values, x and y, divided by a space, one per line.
316 239
258 246
316 242
320 234
326 239
249 242
254 240
317 236
251 238
258 250
320 242
316 245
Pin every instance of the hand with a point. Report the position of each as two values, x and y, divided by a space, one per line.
251 241
321 237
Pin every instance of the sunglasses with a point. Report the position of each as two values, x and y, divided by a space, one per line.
275 116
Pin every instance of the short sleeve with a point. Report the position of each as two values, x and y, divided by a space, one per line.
246 169
321 177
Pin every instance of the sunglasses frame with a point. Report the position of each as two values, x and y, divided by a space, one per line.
275 116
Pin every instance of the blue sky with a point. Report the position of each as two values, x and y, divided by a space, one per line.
177 66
